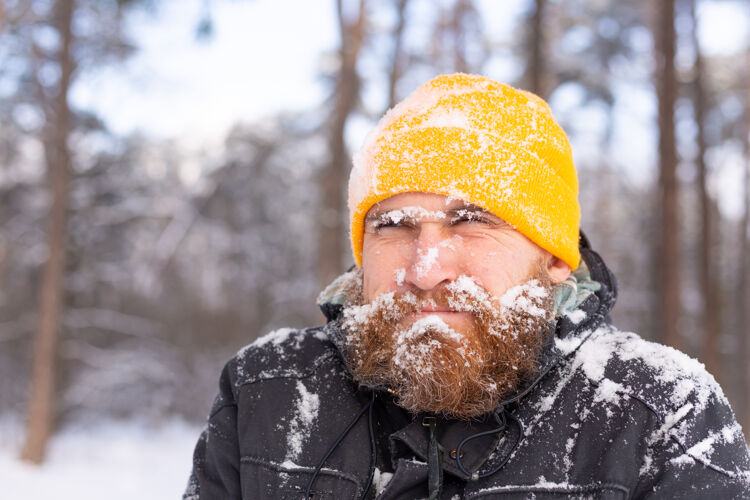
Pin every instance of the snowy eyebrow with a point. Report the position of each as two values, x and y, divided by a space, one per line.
412 214
475 213
404 213
469 211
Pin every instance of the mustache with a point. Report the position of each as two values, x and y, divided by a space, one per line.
462 295
392 307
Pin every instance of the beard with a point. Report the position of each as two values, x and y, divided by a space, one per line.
431 367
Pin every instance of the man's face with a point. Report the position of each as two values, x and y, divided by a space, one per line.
450 307
425 241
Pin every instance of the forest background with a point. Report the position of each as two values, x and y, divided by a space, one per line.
172 176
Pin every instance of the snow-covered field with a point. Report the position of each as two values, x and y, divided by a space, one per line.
112 460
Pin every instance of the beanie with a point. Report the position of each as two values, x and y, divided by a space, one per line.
471 138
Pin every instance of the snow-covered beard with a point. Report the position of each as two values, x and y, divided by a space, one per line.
433 368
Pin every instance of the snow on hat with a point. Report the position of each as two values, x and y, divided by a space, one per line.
481 141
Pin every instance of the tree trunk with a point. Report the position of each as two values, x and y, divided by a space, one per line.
708 273
331 249
41 410
398 63
668 260
743 292
537 63
460 11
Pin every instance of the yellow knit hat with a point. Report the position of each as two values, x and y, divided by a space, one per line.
478 140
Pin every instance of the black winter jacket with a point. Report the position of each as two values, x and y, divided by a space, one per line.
610 416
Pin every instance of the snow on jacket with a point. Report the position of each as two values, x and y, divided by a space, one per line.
610 416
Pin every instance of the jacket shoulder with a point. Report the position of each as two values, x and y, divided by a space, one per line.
282 353
662 377
694 417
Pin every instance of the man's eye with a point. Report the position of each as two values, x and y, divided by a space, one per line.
469 219
386 224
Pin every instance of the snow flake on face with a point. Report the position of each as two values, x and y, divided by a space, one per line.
399 275
520 298
359 315
301 424
398 215
470 287
427 260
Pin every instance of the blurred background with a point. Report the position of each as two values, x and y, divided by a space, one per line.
172 178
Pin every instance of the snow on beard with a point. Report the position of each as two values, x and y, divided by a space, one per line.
433 368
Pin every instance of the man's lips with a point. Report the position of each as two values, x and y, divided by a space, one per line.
429 309
436 311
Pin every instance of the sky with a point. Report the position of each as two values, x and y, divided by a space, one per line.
265 57
262 59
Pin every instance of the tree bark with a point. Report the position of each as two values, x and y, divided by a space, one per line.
41 409
331 249
537 63
399 56
743 289
708 272
669 255
460 10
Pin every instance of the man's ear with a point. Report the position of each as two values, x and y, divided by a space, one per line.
557 269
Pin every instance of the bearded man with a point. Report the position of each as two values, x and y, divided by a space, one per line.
468 354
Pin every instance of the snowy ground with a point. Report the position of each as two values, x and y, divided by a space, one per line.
112 460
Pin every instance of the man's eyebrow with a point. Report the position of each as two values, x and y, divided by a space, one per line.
383 213
408 213
411 214
466 209
385 216
471 209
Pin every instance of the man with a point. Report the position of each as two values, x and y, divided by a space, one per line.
469 352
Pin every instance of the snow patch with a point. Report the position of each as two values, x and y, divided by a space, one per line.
380 480
408 353
520 298
307 405
275 337
399 276
116 460
451 118
427 260
608 391
576 316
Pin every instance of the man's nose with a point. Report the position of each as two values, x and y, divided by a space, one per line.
432 259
